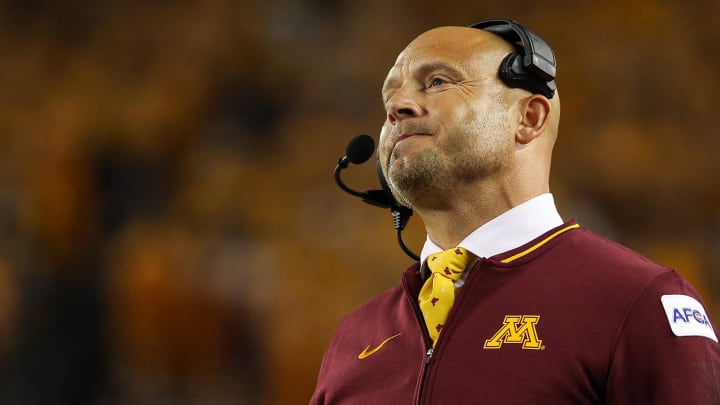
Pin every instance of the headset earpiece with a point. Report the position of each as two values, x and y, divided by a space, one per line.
532 65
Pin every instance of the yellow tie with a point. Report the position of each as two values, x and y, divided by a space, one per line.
438 293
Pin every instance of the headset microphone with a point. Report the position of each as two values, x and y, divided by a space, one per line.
358 151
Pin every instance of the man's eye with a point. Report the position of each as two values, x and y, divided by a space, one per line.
437 82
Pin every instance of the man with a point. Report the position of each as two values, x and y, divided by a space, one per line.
545 312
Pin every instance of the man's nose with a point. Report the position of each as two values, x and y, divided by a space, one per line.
402 105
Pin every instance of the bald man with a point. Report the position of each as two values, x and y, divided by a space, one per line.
543 311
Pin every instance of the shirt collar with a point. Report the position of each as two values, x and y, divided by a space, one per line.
509 230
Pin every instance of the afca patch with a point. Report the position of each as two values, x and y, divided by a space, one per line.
687 316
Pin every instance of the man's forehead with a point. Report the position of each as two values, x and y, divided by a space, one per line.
436 42
454 40
451 45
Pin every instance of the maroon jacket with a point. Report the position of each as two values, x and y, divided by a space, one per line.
569 318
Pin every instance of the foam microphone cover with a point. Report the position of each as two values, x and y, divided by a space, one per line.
360 149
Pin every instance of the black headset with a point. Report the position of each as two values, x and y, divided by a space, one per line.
531 66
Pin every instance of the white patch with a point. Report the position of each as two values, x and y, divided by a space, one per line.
687 316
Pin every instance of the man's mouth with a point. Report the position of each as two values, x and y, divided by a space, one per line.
404 136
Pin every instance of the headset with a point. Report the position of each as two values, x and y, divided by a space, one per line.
531 66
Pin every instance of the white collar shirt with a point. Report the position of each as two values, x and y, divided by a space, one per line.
507 231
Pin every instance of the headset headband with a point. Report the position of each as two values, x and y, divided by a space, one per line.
532 66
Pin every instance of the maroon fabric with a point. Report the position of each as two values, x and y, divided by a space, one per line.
602 333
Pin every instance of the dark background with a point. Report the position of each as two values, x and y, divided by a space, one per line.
170 232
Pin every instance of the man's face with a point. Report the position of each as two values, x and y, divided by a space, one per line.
447 119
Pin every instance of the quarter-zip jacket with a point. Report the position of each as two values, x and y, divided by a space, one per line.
569 318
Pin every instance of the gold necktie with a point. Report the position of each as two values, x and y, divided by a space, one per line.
438 293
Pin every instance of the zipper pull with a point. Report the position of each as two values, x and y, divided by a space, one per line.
428 355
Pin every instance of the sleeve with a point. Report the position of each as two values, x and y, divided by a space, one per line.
667 350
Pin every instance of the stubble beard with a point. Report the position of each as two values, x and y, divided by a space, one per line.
427 177
419 177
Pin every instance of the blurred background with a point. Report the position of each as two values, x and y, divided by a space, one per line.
170 232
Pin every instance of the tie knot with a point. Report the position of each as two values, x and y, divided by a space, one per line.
450 263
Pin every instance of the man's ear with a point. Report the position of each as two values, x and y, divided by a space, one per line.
535 112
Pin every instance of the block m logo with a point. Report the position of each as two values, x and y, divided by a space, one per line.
516 329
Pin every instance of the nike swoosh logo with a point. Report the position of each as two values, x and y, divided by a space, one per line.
365 353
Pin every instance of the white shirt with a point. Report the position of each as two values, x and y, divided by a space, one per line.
507 231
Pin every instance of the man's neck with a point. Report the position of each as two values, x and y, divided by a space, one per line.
448 227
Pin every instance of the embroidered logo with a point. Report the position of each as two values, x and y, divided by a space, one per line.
687 316
519 329
369 352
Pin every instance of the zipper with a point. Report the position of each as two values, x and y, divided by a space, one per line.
427 357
